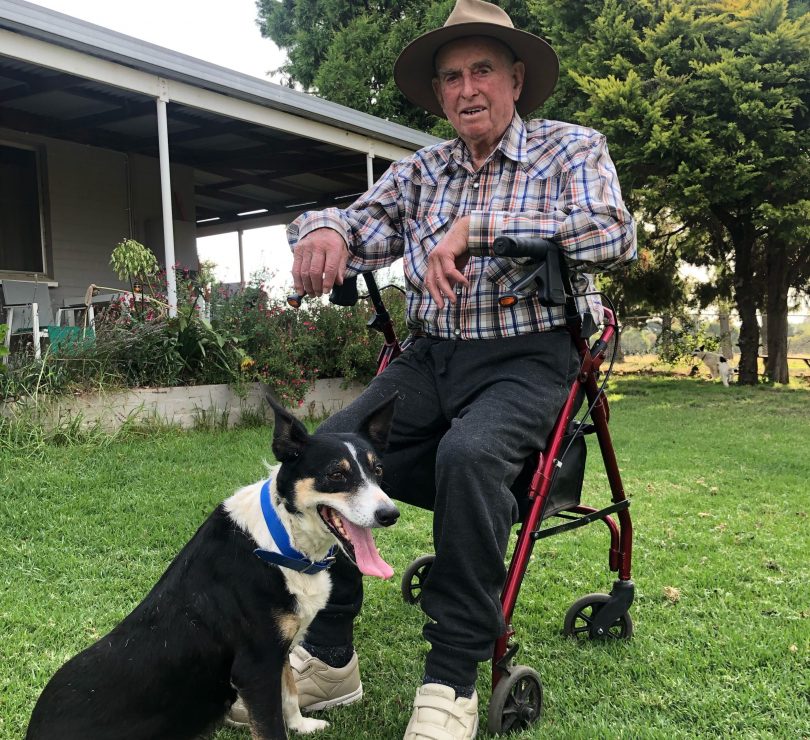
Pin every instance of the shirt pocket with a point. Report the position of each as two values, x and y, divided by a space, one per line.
506 274
425 235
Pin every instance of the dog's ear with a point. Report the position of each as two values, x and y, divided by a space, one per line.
702 348
290 436
377 425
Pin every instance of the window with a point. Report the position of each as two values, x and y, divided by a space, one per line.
20 224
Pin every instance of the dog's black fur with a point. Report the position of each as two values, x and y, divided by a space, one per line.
218 620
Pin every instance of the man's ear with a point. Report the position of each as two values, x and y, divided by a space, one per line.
290 436
377 424
437 91
518 75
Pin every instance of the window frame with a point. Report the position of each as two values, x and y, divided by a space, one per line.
43 206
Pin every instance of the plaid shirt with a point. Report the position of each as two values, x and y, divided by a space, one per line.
546 178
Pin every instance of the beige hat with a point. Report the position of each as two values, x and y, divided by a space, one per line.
414 69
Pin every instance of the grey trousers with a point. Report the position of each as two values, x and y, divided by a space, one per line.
469 414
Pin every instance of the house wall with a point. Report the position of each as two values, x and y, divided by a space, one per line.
146 204
97 197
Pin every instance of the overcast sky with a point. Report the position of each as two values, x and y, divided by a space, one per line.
224 33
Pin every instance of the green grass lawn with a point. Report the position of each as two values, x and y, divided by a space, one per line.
719 483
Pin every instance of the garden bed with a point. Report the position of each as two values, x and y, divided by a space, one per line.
185 406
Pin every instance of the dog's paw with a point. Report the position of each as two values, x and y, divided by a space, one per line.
306 725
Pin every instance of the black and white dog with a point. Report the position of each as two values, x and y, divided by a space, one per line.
225 614
718 365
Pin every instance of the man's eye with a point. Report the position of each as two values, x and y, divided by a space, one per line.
337 475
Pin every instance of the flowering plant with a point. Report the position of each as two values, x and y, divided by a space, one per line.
222 337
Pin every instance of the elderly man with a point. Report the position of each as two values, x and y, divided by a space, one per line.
481 384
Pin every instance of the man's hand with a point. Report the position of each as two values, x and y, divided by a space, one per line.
446 261
319 262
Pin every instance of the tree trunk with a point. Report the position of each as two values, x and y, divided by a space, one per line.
726 348
665 346
778 279
763 331
619 357
742 235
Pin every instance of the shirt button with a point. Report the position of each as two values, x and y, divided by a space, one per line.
475 185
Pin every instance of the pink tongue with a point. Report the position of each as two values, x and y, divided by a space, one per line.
365 552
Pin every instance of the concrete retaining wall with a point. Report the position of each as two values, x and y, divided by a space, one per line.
187 406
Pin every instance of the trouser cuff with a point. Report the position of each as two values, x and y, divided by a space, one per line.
450 667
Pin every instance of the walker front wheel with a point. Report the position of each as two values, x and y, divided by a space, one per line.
413 579
517 701
581 615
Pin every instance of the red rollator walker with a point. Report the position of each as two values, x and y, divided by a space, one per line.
549 486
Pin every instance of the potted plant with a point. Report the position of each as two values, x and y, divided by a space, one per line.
136 263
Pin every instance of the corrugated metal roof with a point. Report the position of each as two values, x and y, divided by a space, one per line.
79 35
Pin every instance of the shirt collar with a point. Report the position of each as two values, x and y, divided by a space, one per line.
512 145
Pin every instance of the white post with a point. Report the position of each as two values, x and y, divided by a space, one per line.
35 329
370 168
7 340
241 259
166 196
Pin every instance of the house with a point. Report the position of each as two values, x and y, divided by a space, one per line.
104 136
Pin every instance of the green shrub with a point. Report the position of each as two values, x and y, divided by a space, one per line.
250 337
687 335
4 329
267 333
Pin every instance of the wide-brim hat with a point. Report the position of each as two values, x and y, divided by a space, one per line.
414 69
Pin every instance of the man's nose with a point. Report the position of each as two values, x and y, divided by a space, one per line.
468 87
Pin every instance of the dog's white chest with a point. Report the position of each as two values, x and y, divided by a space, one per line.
311 594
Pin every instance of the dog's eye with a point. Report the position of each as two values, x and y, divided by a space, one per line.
337 475
378 470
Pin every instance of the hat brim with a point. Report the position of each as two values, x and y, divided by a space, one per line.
414 70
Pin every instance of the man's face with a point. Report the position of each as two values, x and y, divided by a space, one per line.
477 85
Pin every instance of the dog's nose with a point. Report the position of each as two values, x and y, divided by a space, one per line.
386 516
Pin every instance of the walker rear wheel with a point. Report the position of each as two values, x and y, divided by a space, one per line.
413 579
580 617
517 701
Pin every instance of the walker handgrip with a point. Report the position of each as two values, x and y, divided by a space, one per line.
341 295
344 294
549 274
522 246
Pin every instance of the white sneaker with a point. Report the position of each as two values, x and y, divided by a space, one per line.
320 686
439 715
238 714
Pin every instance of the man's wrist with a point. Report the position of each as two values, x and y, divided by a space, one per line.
460 232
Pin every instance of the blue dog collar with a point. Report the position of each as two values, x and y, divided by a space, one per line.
287 556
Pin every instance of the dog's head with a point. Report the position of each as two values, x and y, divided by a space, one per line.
333 480
700 351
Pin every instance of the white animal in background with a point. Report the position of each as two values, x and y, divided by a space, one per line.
718 365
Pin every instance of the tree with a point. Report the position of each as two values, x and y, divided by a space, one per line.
705 104
345 51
